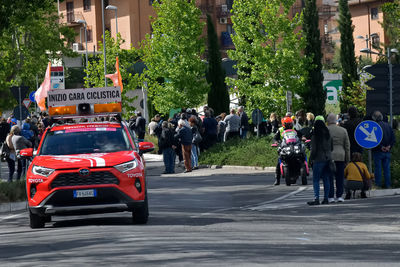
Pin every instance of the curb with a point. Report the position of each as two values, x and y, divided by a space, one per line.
384 192
254 168
13 206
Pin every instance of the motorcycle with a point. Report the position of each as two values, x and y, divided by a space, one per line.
293 158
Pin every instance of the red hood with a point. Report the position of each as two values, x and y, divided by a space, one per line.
84 160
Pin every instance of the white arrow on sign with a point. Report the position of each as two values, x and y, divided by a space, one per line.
370 135
26 102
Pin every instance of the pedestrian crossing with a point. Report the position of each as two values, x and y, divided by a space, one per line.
294 199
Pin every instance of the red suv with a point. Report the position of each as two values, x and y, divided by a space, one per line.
85 168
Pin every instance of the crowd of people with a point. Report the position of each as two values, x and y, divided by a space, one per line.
187 134
335 155
17 138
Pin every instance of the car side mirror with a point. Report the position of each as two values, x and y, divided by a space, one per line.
145 147
27 152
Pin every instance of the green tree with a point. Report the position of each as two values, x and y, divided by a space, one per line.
314 95
127 58
268 53
218 96
173 56
347 56
30 36
391 27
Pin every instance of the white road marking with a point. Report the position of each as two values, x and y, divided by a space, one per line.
264 205
11 216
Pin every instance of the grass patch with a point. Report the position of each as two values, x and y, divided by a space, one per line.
154 140
249 152
11 192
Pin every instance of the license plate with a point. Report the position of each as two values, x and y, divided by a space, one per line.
85 193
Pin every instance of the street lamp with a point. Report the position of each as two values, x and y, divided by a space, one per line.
104 43
111 7
368 39
81 21
389 54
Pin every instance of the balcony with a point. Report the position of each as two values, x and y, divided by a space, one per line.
70 18
223 11
326 11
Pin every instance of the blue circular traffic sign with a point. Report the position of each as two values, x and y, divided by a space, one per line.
368 134
32 96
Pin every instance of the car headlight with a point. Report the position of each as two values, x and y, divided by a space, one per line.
127 166
42 171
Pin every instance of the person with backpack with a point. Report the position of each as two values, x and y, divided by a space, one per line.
16 142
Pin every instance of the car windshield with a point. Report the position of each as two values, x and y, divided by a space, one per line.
85 140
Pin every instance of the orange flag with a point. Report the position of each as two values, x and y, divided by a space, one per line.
116 77
41 93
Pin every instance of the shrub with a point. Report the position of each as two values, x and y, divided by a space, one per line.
14 191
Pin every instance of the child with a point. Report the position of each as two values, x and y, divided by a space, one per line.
357 178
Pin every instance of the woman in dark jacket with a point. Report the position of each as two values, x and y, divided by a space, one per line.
321 147
167 145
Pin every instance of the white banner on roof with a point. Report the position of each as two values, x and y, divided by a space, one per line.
70 97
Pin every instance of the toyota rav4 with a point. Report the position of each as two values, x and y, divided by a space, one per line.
85 168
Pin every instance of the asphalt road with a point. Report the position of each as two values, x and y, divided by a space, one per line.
224 217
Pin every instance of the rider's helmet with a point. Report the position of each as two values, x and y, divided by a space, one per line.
287 123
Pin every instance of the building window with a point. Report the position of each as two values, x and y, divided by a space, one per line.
89 34
229 3
70 12
105 3
87 5
374 13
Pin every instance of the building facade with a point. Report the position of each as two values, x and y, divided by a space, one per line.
133 20
367 17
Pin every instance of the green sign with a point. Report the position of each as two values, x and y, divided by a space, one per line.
333 89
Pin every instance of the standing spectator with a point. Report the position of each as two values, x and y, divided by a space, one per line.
320 156
195 143
45 120
167 145
19 142
244 122
4 129
34 128
301 120
132 123
153 124
210 130
26 130
381 153
185 136
357 178
221 127
341 156
350 125
16 142
272 124
140 126
232 125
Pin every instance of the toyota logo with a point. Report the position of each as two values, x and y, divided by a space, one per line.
84 172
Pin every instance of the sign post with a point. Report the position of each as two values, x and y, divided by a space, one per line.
257 117
368 134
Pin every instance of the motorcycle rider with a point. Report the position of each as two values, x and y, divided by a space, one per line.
287 124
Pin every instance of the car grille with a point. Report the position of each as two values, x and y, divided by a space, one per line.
74 179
